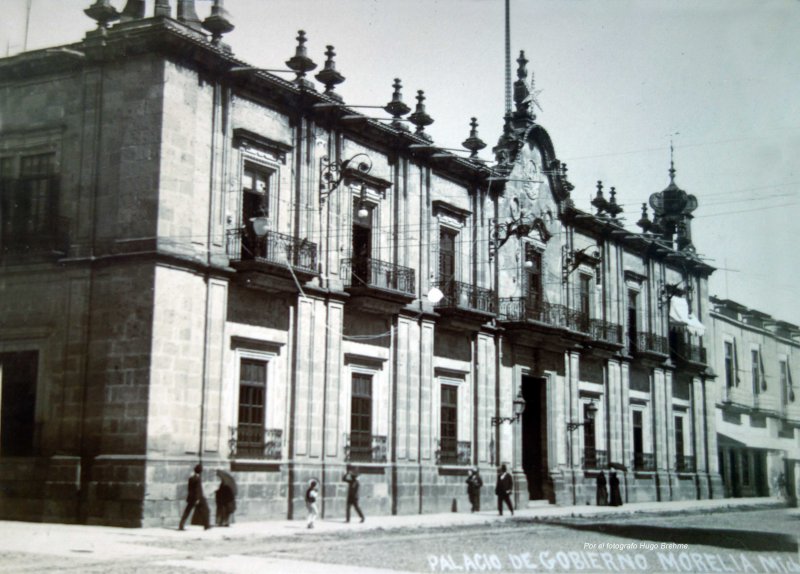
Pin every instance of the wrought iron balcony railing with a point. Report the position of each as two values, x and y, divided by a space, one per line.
365 447
275 248
605 331
45 234
452 452
646 342
372 273
684 463
594 458
247 441
458 295
682 348
522 309
644 461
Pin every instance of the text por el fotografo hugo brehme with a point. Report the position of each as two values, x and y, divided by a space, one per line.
619 557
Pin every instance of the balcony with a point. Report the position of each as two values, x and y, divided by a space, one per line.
644 461
275 254
365 447
254 442
683 350
465 302
519 309
649 343
378 286
457 453
594 458
44 235
605 332
684 463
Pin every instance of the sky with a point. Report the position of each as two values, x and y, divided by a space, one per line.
619 80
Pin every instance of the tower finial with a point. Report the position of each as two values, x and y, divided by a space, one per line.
508 57
671 162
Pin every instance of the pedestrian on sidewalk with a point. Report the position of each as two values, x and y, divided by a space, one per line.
196 501
503 490
225 498
602 491
474 484
311 502
616 497
353 485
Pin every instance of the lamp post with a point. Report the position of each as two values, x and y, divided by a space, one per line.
591 411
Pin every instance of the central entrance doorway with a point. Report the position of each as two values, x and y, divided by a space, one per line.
534 438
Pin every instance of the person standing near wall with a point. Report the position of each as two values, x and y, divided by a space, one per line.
474 485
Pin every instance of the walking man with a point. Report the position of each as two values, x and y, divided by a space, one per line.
353 485
503 490
474 484
195 498
311 502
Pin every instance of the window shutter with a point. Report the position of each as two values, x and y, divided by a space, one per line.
761 368
736 363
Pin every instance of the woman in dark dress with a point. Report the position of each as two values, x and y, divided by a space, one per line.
616 498
602 491
226 502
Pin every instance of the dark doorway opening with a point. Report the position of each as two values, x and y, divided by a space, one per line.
18 374
534 438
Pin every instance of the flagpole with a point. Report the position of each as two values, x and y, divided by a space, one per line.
508 56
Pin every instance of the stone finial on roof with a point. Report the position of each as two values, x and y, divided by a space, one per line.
300 62
473 143
599 200
218 23
330 76
162 8
613 208
188 15
420 117
397 108
102 12
134 10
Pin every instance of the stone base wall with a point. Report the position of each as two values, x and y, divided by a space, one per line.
40 489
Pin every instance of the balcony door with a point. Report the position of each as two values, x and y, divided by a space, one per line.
255 203
362 245
533 283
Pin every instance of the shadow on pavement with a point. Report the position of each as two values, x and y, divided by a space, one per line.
720 538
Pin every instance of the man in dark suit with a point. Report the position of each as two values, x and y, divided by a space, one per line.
353 485
195 496
503 490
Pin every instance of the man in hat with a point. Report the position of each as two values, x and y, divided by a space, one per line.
195 496
353 485
503 490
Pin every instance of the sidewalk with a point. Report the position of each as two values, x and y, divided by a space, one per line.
107 543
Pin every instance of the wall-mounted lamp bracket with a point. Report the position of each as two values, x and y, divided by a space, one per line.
572 259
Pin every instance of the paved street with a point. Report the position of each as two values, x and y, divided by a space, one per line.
677 539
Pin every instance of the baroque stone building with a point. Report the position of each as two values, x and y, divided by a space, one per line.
204 261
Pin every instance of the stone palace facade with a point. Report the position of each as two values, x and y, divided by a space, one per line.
201 261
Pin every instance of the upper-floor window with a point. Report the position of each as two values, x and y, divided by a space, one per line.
29 202
633 314
584 294
533 283
755 371
730 374
786 382
447 254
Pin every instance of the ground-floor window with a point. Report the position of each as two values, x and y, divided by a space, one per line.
252 408
448 426
361 418
18 376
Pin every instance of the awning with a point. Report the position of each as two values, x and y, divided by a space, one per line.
679 313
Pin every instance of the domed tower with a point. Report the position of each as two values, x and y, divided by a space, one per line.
672 209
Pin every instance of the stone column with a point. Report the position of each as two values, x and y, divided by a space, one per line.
162 8
188 15
659 409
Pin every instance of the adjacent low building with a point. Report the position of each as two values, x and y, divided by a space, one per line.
758 413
